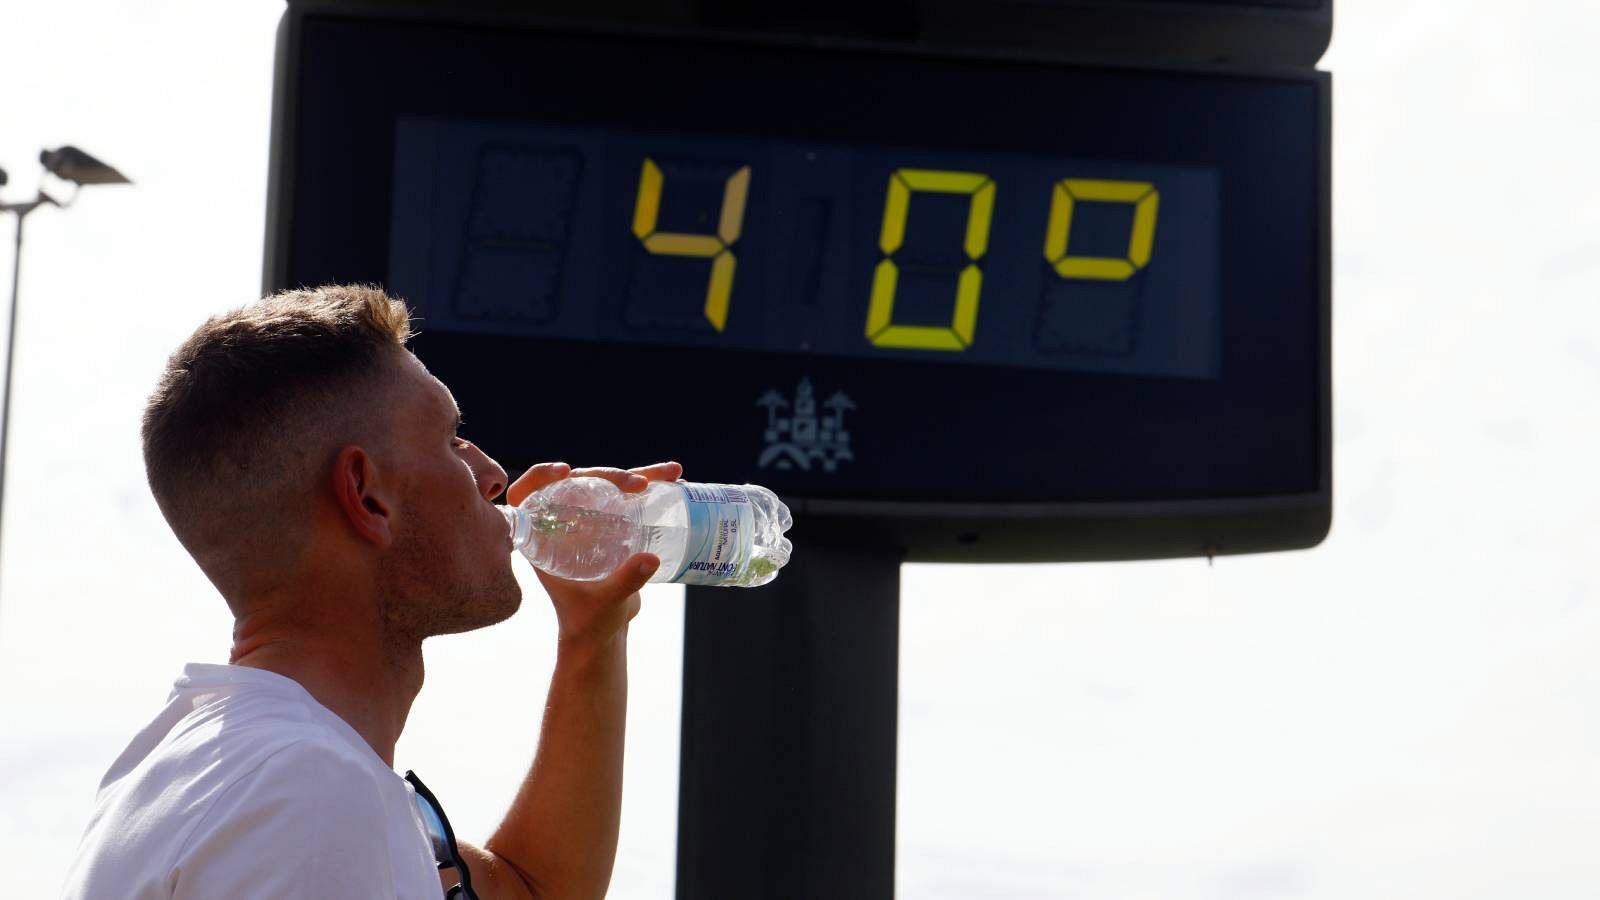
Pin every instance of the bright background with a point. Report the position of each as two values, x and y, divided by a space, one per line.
1410 710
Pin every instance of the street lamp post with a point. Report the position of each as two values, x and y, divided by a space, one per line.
69 164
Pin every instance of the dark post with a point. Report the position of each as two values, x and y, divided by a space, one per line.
22 210
790 697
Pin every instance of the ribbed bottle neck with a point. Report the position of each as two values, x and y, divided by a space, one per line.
520 521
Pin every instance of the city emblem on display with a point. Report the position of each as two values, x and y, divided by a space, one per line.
798 440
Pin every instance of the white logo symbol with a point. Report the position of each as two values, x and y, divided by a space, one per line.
796 441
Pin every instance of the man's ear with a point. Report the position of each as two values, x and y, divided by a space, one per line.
358 492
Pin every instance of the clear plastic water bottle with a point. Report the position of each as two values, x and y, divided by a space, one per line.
708 534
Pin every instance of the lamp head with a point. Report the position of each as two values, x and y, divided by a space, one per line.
78 167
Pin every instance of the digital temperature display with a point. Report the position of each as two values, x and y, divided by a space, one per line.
977 304
808 246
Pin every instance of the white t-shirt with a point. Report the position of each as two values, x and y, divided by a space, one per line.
245 787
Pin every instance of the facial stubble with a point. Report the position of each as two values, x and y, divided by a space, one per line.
431 589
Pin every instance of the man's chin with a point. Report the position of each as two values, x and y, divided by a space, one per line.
502 605
506 609
494 610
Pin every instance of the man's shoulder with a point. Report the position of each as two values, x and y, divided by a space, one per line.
287 779
267 751
275 759
271 783
240 744
313 751
221 738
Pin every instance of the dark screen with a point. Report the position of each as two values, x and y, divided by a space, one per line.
1225 404
752 243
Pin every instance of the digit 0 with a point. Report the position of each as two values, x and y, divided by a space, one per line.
1144 197
716 247
881 330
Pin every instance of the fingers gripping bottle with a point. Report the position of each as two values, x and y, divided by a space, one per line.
707 534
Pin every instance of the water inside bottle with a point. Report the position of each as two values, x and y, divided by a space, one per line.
584 544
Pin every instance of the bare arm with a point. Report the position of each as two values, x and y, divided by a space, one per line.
559 838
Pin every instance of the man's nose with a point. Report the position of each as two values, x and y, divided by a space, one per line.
491 477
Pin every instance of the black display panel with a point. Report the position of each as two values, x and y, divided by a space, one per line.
1108 304
782 246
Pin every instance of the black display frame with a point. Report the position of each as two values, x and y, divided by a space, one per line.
945 532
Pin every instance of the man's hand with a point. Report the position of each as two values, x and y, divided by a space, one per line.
591 613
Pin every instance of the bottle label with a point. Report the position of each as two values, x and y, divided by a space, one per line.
721 534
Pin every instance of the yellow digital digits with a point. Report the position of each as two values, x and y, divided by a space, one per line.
881 330
716 247
1144 197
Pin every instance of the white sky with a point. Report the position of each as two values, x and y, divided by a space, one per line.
1411 710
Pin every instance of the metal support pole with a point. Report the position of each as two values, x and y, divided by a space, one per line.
790 698
22 210
80 168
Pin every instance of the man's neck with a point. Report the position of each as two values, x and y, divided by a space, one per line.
364 677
